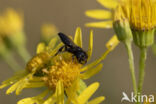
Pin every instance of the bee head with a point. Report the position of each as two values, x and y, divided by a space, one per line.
82 57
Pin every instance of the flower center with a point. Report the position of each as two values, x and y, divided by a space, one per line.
65 69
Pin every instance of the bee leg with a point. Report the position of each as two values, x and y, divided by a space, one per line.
60 50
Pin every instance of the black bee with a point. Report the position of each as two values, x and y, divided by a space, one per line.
71 47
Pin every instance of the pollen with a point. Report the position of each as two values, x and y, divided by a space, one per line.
66 70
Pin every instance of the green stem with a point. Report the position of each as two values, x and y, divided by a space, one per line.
131 65
22 51
11 62
143 55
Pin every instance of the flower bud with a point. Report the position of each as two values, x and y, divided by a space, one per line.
121 26
123 30
48 31
11 28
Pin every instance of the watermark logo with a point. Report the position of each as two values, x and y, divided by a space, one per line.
137 98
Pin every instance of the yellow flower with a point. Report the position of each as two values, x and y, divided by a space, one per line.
59 73
12 32
48 31
141 13
11 22
11 28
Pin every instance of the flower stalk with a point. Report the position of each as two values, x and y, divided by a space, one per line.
22 51
11 62
124 34
131 65
143 54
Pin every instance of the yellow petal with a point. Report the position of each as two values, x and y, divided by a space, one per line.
4 85
20 85
36 79
13 79
72 92
78 37
83 86
23 82
53 42
52 52
112 43
99 14
60 93
96 61
35 84
97 100
110 4
91 72
90 49
12 88
51 100
29 101
87 93
40 48
34 100
103 24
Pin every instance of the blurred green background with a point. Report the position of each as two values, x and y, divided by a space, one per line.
67 15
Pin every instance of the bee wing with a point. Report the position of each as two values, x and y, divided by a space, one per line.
66 40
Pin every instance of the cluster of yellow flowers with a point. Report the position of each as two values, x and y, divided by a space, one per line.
62 74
